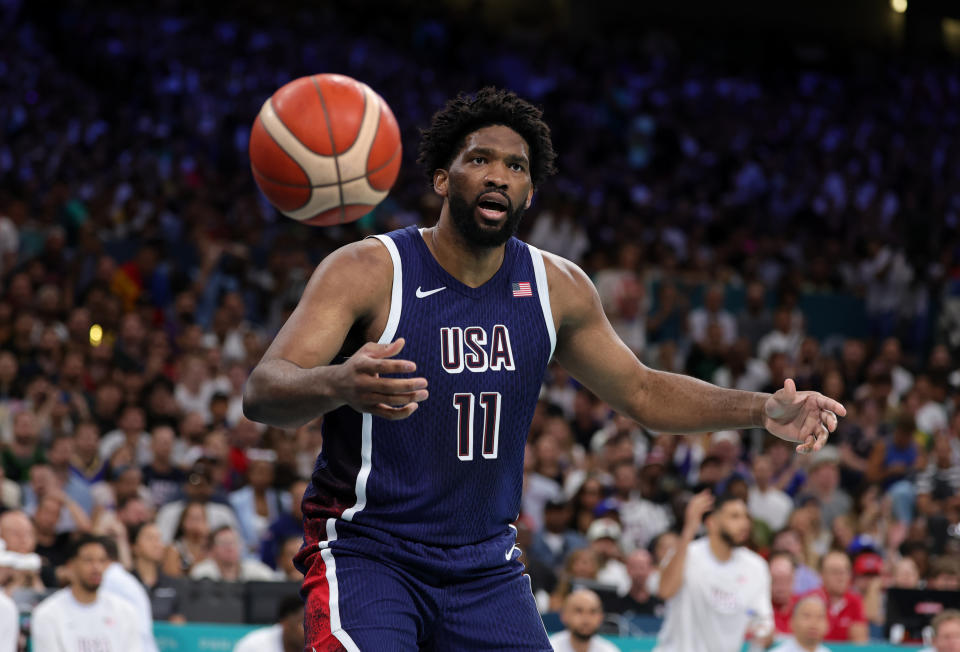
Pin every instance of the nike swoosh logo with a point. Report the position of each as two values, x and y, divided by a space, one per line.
421 294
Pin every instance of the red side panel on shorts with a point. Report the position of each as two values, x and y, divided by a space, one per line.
316 610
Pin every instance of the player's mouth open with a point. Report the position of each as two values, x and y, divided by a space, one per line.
492 206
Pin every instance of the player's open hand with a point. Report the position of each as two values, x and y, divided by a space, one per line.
804 417
359 382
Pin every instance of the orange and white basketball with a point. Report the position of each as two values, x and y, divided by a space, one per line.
325 149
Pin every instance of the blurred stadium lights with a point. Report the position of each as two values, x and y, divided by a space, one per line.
899 6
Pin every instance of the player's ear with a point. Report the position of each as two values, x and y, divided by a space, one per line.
527 203
440 179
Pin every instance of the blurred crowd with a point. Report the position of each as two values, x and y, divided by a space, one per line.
142 277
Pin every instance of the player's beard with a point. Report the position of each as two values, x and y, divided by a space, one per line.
463 214
729 540
89 587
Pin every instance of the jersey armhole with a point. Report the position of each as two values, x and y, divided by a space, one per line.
543 290
396 294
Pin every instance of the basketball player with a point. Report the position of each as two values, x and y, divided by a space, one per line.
408 543
715 589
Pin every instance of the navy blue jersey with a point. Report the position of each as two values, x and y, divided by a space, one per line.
450 474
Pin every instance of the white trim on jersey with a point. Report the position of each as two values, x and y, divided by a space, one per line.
540 273
366 456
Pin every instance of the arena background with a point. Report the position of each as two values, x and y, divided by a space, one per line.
742 160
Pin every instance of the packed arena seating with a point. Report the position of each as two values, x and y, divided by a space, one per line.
743 221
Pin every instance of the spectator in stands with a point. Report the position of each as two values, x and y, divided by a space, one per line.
823 483
82 617
257 505
640 599
868 583
784 338
24 450
86 462
767 503
44 483
226 562
161 476
581 564
288 524
604 539
52 544
782 569
938 486
123 482
582 616
946 632
556 540
147 551
9 492
944 574
19 536
585 500
285 636
199 487
755 320
119 582
130 433
905 574
893 461
713 312
285 567
191 541
809 626
844 607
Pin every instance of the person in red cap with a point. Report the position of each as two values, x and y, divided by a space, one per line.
844 606
867 581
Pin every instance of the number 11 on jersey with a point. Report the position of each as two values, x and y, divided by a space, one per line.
490 402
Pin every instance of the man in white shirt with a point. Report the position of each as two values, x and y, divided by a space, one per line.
81 617
226 563
582 615
766 502
285 636
9 624
716 590
809 625
946 632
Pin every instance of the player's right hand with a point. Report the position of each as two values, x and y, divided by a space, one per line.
699 505
358 382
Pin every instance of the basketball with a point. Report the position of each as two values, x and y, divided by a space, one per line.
325 149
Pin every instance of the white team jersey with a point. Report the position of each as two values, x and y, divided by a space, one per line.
717 602
561 643
268 639
61 624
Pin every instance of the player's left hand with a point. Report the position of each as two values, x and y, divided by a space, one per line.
805 417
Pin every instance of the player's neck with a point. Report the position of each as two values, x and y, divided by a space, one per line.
721 549
81 595
472 266
809 647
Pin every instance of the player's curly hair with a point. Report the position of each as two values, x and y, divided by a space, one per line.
464 114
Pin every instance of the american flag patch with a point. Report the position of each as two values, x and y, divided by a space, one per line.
522 289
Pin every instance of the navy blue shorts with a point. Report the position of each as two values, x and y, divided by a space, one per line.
358 601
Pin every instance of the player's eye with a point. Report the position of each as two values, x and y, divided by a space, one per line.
479 160
516 167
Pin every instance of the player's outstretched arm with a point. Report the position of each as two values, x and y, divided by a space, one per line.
295 382
591 351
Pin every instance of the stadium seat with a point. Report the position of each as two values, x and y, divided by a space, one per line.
262 598
212 602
